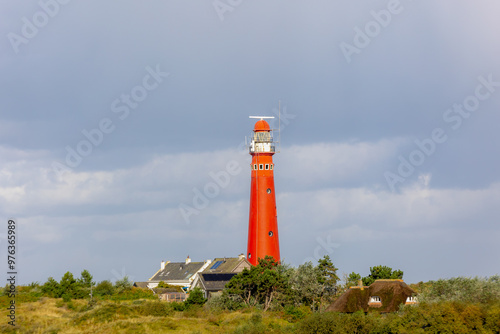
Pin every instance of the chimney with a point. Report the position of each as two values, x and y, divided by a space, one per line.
241 256
188 260
360 284
162 265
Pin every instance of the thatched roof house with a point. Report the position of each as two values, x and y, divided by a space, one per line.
382 296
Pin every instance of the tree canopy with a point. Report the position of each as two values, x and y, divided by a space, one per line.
260 284
381 272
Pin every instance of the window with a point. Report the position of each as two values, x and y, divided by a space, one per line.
262 137
268 190
267 166
411 300
249 255
261 166
375 299
272 166
271 233
255 166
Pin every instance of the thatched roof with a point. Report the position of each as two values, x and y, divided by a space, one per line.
391 293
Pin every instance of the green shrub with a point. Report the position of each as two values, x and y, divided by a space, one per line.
492 318
193 311
224 302
104 288
155 309
358 322
319 323
71 306
123 284
254 325
107 313
294 314
462 289
178 306
196 297
134 294
333 322
443 317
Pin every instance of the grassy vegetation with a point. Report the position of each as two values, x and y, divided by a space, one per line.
53 315
457 305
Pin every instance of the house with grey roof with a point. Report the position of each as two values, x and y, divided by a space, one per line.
214 278
177 273
228 265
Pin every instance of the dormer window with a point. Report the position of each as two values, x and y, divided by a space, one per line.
375 299
411 300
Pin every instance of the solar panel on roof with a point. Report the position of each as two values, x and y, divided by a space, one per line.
218 277
216 265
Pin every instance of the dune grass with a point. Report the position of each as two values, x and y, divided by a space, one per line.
49 315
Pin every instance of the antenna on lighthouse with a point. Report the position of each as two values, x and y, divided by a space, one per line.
279 126
261 117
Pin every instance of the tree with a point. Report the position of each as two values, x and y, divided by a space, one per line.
352 280
51 288
123 284
381 272
69 287
327 277
314 285
261 284
305 284
86 279
104 288
196 297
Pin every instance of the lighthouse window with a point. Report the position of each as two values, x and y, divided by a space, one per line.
272 166
249 255
267 166
271 233
268 190
261 166
255 166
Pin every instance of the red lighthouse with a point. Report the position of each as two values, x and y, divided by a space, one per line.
263 222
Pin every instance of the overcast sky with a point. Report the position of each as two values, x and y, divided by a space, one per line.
117 116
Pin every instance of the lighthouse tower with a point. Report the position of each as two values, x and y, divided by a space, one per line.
263 222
